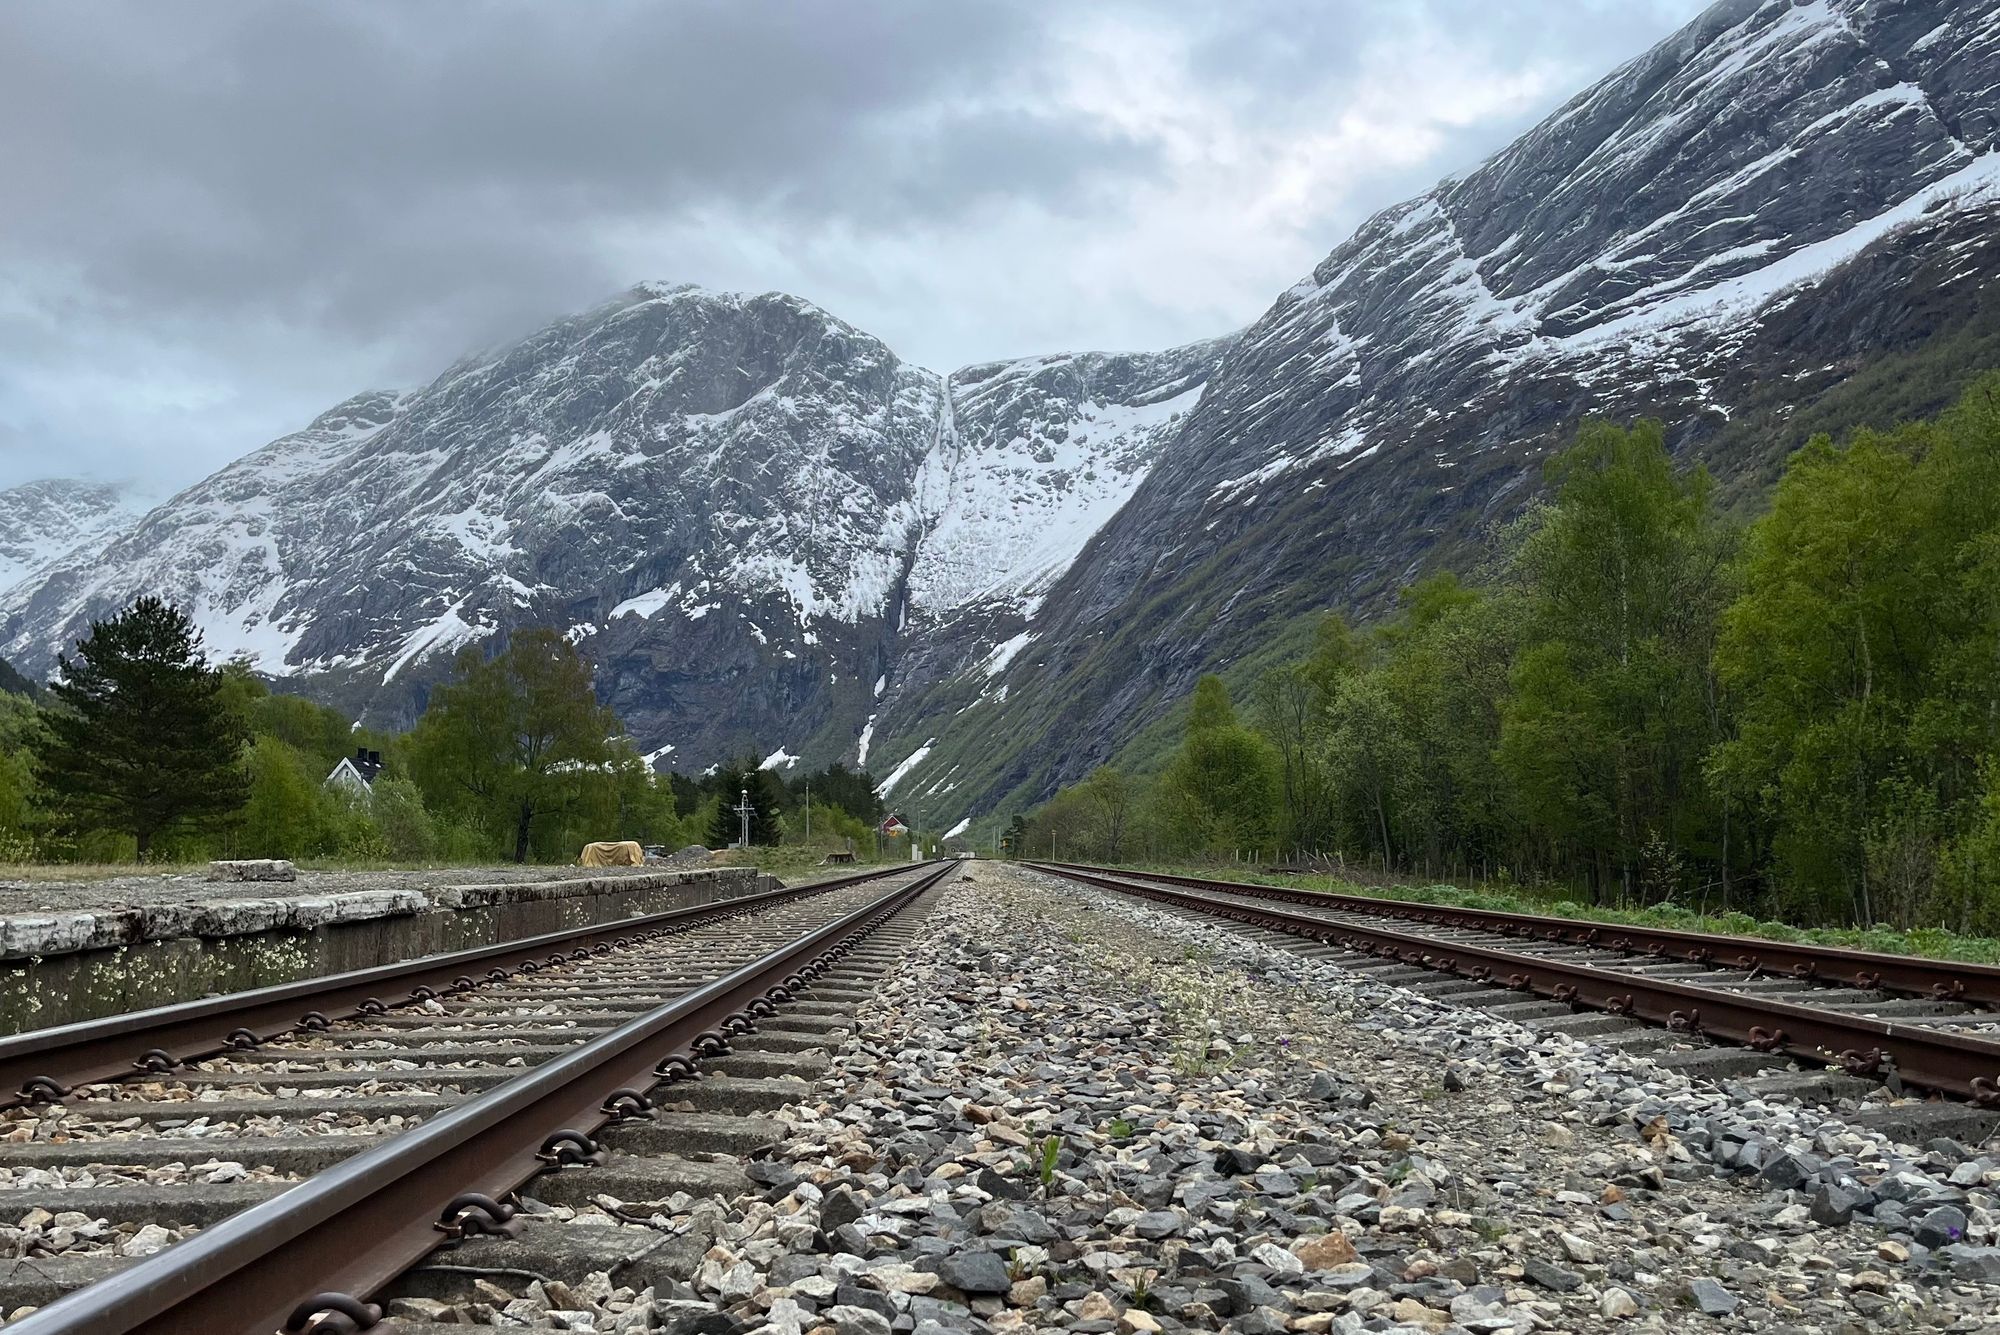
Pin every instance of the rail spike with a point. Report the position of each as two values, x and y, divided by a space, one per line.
475 1215
42 1089
1766 1040
570 1146
333 1314
1862 1063
627 1105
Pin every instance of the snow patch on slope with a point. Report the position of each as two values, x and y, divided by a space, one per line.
902 771
997 661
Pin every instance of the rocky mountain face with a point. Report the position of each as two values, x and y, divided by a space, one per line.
1779 204
42 523
733 502
770 532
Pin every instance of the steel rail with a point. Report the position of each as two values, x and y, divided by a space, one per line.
46 1065
1958 1064
312 1257
1908 975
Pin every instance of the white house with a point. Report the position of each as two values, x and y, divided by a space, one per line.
356 772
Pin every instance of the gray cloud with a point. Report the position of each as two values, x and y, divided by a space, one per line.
223 218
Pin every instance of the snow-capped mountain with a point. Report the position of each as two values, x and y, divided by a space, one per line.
42 523
770 532
1744 232
1040 453
733 501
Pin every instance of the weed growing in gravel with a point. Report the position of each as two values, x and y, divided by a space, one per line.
1046 1168
1139 1284
1118 1129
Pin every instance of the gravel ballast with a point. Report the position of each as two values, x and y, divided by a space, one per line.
1070 1110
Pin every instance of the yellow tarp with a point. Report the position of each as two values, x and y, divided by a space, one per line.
625 854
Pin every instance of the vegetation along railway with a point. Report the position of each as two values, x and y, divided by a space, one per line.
1933 1025
399 1109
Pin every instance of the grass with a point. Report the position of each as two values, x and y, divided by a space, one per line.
1923 942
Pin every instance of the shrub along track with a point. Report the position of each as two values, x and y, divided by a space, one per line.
519 1060
1929 1025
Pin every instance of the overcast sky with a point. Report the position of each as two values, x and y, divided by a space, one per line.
221 218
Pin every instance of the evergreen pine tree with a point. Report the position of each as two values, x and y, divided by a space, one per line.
765 793
140 738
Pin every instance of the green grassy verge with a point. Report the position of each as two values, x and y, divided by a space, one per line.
1926 942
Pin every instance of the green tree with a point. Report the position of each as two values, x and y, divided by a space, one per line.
1107 796
1446 668
765 794
853 791
1220 791
140 739
13 683
1865 656
1372 758
282 817
409 832
1291 710
1624 576
515 740
21 736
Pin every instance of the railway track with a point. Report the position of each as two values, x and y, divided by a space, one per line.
1856 1018
300 1158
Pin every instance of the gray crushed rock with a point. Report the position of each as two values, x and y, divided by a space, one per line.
1070 1111
1067 1110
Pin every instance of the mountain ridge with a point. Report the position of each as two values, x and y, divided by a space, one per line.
771 532
1815 184
720 493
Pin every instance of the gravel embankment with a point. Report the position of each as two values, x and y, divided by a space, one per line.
1240 1139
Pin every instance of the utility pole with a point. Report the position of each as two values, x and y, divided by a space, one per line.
809 808
743 809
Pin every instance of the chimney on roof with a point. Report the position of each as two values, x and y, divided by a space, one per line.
360 755
375 759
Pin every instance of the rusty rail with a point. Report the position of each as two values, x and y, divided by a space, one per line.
1905 975
46 1065
1959 1064
313 1257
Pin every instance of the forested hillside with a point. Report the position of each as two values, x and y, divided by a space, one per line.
1640 695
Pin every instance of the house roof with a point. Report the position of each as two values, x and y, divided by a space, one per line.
361 767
